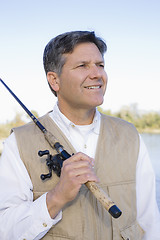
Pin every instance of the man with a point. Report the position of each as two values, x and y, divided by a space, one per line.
105 150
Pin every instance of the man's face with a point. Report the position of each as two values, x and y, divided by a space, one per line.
83 80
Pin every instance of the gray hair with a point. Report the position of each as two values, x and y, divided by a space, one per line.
53 58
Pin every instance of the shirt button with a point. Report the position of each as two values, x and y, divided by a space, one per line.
44 225
85 146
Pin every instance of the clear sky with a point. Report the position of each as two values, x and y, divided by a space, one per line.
131 29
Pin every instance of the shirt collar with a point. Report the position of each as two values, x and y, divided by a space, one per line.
62 120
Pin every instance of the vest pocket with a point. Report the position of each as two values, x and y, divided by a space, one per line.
126 227
132 232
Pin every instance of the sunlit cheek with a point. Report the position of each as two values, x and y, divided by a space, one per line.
105 83
104 90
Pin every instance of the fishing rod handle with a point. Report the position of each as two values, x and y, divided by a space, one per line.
104 199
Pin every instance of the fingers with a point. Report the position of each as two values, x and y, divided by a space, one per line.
79 157
79 167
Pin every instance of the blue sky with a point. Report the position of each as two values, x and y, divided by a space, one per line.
131 30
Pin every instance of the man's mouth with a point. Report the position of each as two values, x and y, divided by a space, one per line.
93 87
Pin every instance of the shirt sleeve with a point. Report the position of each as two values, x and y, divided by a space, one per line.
20 216
148 215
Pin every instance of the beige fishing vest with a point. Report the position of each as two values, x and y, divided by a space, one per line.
115 165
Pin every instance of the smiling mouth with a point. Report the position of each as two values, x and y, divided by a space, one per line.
93 87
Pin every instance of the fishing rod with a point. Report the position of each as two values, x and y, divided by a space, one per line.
55 163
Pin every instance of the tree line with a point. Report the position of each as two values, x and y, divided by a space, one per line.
144 122
148 122
18 120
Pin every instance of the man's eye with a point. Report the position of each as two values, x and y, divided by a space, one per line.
81 65
101 65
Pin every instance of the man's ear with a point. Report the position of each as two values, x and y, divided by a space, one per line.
53 80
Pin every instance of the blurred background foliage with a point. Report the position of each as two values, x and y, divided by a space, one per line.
19 120
148 122
145 122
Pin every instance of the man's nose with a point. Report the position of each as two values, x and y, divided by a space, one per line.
95 72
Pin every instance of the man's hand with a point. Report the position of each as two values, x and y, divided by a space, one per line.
76 170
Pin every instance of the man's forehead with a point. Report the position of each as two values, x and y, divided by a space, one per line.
84 51
84 45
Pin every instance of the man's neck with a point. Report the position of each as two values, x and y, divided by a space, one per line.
78 116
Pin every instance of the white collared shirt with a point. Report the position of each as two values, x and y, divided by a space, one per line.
83 137
22 218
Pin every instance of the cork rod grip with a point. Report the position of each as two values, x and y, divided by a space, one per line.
104 199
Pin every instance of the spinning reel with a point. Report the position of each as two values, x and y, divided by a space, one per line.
54 163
